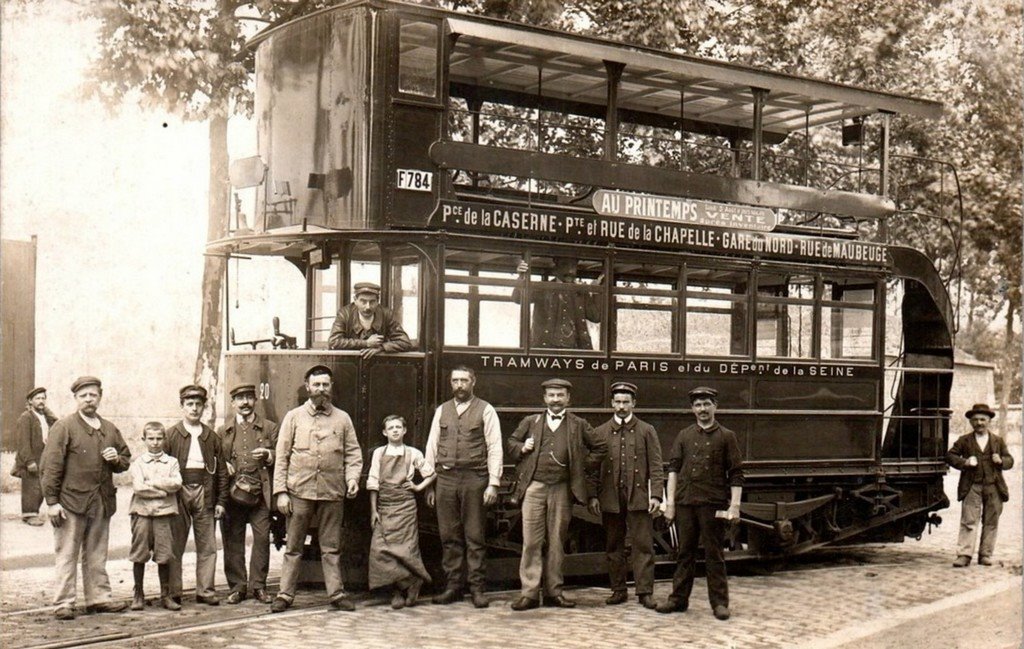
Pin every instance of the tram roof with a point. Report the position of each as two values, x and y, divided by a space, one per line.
503 55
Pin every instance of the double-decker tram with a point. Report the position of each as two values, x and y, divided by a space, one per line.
537 204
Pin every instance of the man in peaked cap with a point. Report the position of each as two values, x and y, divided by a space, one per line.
705 483
981 456
30 433
557 455
367 326
203 494
82 454
247 441
629 494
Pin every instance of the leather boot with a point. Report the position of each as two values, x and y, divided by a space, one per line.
164 570
139 600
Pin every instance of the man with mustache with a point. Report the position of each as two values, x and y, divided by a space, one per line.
30 432
248 442
367 326
83 453
318 466
464 446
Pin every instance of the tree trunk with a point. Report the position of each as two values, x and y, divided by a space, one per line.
211 326
1009 367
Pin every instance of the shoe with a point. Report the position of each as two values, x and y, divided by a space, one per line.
722 612
262 596
344 603
671 605
962 561
34 521
524 604
559 601
64 613
106 607
177 599
984 561
617 597
170 603
280 605
138 600
413 594
449 596
236 597
397 600
209 601
479 599
647 601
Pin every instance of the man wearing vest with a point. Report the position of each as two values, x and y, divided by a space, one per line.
558 455
981 456
464 445
203 494
630 492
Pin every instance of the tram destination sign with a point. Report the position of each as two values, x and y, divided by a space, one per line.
684 210
589 227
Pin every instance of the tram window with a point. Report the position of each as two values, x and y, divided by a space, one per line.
716 312
566 302
646 308
363 271
478 306
325 304
417 61
785 315
847 323
404 292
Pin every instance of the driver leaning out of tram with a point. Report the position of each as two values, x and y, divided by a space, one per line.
367 326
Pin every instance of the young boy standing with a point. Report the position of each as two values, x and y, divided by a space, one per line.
395 547
156 478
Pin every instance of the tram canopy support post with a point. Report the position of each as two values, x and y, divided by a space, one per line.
759 98
611 119
883 172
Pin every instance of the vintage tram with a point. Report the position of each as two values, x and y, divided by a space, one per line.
728 225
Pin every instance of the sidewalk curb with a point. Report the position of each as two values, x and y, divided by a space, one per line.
863 631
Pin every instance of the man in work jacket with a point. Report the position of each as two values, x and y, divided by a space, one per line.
30 433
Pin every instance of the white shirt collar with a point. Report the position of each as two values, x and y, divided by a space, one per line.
622 422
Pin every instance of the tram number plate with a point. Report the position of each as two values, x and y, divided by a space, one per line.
416 180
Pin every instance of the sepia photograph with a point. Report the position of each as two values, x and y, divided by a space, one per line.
511 323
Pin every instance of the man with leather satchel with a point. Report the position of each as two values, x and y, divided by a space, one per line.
248 441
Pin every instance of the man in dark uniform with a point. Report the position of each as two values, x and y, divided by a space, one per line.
30 433
247 441
630 489
557 455
82 455
560 313
464 447
981 456
705 483
203 494
367 326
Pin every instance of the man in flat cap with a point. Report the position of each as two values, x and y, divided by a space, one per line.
629 494
981 456
82 454
367 326
319 462
203 495
248 441
560 313
30 433
557 455
705 483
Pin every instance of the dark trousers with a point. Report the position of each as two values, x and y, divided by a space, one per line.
638 525
697 523
232 531
459 496
31 495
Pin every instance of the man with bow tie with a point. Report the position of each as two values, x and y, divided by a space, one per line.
629 495
557 455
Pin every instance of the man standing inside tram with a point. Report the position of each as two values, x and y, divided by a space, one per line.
203 495
30 433
557 454
981 456
82 454
318 466
560 314
248 441
705 484
464 446
367 326
630 491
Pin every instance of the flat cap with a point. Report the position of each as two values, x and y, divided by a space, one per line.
556 383
366 287
83 381
34 392
980 409
703 391
244 388
192 392
623 386
318 369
